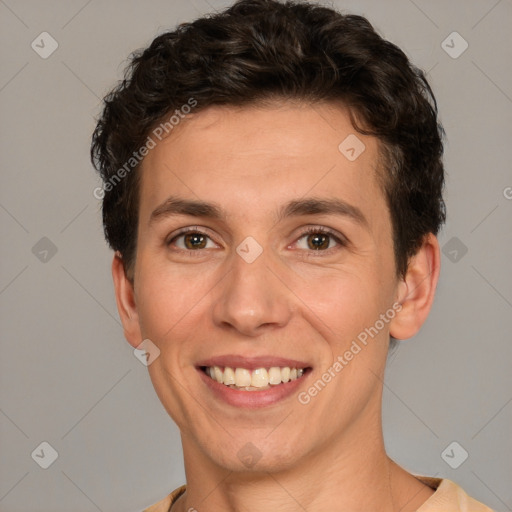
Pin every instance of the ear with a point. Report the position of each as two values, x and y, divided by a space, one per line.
125 298
417 289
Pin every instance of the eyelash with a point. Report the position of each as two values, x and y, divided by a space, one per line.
342 242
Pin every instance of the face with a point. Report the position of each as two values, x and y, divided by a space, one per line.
261 245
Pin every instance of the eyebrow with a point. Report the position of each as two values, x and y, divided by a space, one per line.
295 208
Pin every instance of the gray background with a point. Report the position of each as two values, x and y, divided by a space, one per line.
67 375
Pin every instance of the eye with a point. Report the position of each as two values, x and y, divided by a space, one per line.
319 239
192 240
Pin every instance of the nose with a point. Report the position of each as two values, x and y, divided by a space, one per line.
252 298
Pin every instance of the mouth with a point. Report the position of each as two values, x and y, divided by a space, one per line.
252 382
258 379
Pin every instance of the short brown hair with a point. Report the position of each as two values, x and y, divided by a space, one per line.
258 50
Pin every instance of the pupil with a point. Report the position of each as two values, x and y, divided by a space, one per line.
319 241
195 241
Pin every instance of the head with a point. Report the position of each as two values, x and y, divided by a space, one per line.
304 130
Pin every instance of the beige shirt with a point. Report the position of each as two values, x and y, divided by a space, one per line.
449 497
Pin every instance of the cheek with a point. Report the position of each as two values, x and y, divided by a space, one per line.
344 305
343 301
169 301
171 309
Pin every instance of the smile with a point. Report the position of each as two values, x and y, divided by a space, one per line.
258 379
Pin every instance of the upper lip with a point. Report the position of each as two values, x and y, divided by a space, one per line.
251 363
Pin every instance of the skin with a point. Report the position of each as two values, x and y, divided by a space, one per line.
292 301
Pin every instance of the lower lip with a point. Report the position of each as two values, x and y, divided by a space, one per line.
253 399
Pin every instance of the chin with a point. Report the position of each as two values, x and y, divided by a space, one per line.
252 454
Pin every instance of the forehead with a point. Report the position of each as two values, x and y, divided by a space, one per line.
249 158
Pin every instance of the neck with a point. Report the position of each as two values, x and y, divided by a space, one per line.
350 473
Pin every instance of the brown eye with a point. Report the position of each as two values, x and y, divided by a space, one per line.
318 241
195 241
191 240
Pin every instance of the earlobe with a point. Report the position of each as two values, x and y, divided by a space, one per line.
417 290
125 299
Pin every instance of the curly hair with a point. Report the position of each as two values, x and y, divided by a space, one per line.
259 50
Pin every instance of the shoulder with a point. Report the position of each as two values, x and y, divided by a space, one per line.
449 497
165 504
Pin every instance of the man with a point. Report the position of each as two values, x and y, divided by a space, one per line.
272 191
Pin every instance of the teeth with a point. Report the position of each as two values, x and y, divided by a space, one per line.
229 376
274 375
257 379
242 377
218 375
